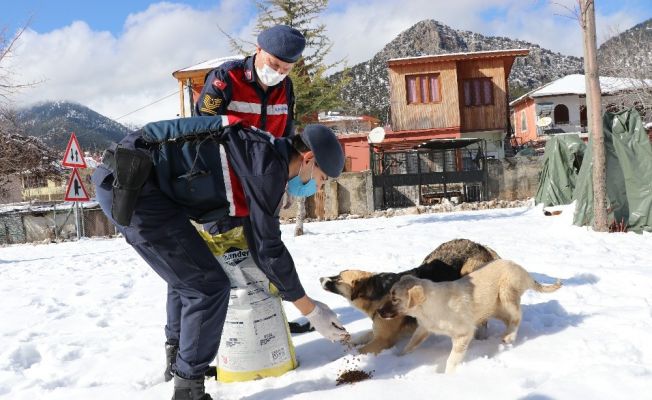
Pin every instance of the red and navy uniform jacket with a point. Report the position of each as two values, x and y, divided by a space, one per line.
231 89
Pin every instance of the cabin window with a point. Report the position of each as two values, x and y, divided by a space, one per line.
523 121
423 89
561 115
478 92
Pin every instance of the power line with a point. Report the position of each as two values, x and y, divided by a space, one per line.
147 105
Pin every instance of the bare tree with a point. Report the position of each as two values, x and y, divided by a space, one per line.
8 85
594 111
617 59
19 153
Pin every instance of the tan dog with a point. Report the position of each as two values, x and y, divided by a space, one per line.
368 291
456 308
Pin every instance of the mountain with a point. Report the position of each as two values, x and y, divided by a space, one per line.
628 54
54 121
368 90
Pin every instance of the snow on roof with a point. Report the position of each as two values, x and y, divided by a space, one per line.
210 64
328 118
27 206
576 84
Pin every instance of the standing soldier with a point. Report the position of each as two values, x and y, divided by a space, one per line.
257 88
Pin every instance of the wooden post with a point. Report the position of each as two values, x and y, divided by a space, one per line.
191 100
182 112
594 108
419 174
301 216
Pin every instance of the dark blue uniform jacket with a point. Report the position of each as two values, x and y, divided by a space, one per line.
189 161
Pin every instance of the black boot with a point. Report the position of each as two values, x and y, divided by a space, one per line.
189 389
171 351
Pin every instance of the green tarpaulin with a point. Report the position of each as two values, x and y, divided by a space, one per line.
562 161
629 174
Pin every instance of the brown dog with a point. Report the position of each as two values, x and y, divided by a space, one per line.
368 291
456 308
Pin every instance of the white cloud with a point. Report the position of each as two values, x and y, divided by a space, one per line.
115 75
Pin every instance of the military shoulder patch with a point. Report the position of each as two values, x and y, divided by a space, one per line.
219 84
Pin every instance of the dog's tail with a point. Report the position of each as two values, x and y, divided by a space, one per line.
545 288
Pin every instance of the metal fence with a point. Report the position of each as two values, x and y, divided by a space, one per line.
427 175
52 222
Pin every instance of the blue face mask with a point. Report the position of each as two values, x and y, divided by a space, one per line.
299 189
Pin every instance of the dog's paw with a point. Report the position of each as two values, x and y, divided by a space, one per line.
359 339
510 338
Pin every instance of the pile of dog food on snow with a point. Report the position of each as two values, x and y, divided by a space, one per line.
351 373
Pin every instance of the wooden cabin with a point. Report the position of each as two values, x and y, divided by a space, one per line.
463 94
460 95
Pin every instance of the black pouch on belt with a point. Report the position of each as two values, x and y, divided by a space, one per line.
132 168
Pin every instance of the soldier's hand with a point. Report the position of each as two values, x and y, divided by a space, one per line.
325 322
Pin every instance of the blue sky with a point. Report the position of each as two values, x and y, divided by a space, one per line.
116 56
101 15
110 15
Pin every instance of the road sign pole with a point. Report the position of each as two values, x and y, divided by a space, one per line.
77 220
81 213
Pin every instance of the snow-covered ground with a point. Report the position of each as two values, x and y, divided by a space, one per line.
84 320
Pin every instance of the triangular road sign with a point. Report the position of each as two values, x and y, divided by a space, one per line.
74 156
75 190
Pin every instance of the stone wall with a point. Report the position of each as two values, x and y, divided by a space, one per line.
513 178
350 193
509 179
11 229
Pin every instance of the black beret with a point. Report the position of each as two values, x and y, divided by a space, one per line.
283 42
327 149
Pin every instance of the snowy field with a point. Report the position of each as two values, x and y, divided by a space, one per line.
84 320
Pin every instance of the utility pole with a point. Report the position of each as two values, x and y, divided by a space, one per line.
594 114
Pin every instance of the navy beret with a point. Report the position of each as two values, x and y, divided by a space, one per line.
283 42
327 149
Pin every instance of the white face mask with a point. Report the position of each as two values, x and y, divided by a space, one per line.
268 76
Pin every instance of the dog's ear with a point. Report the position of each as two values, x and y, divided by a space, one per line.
379 285
385 282
416 296
355 290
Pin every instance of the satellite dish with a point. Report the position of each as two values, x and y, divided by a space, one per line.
376 135
544 121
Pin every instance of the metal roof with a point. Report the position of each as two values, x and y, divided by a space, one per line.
432 144
458 56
